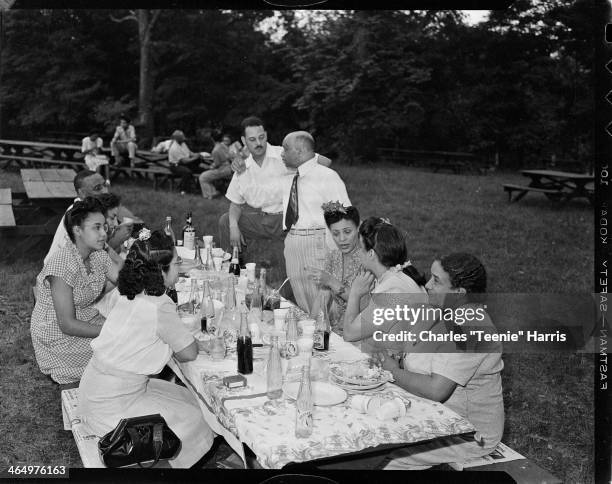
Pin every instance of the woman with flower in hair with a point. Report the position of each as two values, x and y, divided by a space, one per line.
387 277
341 265
64 319
142 332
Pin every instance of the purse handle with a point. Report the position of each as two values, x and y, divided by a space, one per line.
158 438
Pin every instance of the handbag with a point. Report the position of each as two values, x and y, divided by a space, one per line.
139 439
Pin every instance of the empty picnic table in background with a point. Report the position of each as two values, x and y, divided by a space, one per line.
436 160
28 220
558 186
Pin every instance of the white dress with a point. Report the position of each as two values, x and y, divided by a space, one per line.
137 340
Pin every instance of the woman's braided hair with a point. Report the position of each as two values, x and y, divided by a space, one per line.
144 264
465 271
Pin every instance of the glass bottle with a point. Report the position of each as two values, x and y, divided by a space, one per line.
207 314
304 406
234 267
197 259
244 348
263 285
188 233
168 229
274 371
322 326
291 347
194 298
209 266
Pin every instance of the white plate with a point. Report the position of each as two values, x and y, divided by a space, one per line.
355 388
323 394
337 373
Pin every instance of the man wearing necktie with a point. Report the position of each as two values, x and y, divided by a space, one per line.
308 240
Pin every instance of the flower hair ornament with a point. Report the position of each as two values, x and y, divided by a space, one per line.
386 221
333 207
144 234
400 267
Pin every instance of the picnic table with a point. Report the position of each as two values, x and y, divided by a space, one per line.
558 186
29 219
246 417
437 160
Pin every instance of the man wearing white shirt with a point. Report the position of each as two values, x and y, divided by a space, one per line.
256 203
304 191
91 147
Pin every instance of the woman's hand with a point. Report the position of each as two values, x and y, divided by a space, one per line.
387 362
362 284
323 278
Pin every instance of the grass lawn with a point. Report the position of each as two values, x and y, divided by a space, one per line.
527 247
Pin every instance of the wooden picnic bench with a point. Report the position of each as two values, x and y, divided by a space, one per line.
558 186
28 220
437 160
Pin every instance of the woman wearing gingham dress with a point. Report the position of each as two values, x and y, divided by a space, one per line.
64 320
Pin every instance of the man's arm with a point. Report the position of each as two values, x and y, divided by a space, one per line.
236 238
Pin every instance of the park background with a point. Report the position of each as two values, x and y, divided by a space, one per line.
515 89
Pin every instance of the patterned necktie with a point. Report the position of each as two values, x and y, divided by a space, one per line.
292 214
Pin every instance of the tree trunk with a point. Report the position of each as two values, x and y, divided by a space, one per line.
145 91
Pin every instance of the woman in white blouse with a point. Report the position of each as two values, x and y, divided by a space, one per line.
142 332
388 279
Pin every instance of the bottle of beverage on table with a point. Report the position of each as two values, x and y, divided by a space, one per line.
209 266
234 267
197 259
168 229
291 348
274 372
195 301
207 314
322 326
244 348
304 406
188 233
263 284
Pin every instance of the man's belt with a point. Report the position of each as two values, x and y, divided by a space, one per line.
306 231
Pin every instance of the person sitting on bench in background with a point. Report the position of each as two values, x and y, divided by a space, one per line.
91 147
183 162
220 169
124 141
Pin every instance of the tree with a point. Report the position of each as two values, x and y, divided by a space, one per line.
145 20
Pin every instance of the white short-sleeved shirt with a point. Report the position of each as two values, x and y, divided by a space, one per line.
140 336
87 144
177 151
260 186
478 394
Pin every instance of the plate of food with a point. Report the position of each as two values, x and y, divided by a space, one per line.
355 388
323 394
359 374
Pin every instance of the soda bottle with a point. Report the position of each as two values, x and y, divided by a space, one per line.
188 233
234 267
304 406
209 266
194 297
168 229
207 313
244 348
274 372
322 326
197 259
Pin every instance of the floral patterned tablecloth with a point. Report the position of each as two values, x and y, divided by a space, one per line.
267 426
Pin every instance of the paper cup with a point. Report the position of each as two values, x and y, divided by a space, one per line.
218 262
218 252
304 345
207 240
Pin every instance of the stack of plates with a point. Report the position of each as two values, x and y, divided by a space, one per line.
354 381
